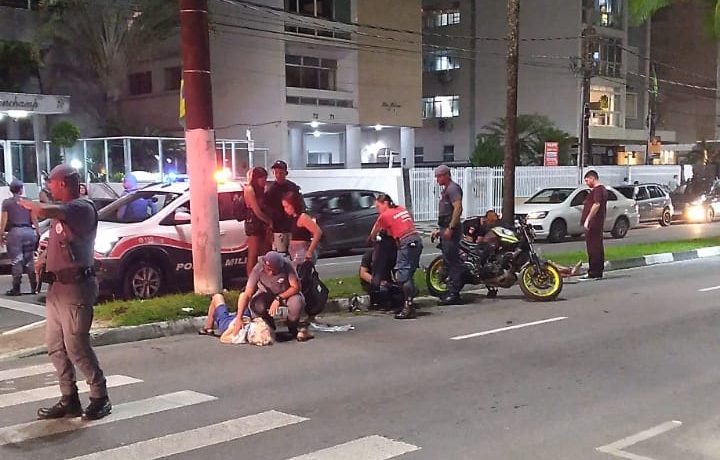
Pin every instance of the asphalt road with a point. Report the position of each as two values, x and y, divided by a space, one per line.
625 367
332 267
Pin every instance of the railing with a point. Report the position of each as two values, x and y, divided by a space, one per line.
605 118
482 187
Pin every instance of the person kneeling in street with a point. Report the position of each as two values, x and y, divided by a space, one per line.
376 277
399 224
273 283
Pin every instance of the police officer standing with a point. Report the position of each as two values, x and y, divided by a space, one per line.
73 291
21 239
449 212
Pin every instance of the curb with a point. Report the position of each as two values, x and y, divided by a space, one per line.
124 334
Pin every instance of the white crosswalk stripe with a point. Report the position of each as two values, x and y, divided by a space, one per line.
368 448
38 394
374 447
11 374
186 441
26 431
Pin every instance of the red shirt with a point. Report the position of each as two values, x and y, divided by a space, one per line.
397 221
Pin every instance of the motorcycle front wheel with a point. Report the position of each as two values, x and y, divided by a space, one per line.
436 277
541 285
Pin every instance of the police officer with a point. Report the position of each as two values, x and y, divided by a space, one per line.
449 212
73 291
21 238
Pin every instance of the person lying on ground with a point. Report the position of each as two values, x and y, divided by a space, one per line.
376 273
220 321
566 271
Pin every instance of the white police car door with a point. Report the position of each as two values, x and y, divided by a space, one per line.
232 232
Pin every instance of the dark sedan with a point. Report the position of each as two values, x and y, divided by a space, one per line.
345 217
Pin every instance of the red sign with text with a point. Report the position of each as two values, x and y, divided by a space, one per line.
551 153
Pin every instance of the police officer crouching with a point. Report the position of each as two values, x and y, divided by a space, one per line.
73 291
21 238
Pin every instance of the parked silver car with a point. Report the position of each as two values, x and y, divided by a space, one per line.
653 200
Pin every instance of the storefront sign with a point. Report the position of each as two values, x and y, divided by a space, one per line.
34 103
551 153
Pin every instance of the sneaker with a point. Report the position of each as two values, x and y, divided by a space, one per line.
588 277
68 406
97 409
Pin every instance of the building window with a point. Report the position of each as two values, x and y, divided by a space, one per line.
441 107
316 8
608 57
140 83
173 75
24 4
342 103
448 153
441 17
437 61
419 155
631 106
609 13
310 72
605 107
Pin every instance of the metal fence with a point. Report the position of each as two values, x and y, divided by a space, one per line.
482 187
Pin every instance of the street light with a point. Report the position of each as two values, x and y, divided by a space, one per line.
75 163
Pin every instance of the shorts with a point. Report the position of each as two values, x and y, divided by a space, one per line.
222 318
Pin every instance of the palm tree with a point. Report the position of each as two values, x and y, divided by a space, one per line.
642 10
101 39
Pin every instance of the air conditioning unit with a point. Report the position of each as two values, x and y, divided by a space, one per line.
445 76
445 124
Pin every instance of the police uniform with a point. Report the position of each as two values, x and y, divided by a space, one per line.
21 240
450 247
70 299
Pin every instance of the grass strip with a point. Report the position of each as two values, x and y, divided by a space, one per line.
176 306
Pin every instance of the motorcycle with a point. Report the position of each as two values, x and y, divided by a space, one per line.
508 258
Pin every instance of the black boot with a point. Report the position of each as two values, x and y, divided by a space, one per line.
407 312
450 299
15 291
33 283
68 406
293 329
97 409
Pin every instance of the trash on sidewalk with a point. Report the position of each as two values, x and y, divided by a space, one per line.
187 309
330 328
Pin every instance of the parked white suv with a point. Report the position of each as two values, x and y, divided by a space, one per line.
555 212
144 247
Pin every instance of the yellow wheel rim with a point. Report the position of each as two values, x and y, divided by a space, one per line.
436 280
542 283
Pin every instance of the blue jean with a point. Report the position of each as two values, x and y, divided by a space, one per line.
408 260
451 256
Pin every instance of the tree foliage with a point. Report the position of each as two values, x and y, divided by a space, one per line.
18 63
533 131
64 134
102 39
642 10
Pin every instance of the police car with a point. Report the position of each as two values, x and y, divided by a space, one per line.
144 248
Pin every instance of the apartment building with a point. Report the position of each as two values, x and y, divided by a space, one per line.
464 82
321 83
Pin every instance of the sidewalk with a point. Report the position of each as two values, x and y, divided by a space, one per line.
29 341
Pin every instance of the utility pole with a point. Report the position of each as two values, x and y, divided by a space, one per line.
200 144
511 141
652 117
588 70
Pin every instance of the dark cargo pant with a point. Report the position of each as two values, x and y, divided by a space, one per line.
67 335
451 257
596 251
21 242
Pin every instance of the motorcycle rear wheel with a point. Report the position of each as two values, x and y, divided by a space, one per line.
542 285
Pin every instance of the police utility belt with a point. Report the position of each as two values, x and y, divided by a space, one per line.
69 275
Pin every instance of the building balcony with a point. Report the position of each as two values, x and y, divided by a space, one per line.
303 104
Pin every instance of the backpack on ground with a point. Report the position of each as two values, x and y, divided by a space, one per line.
313 289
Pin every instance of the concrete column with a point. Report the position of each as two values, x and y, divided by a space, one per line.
353 141
297 154
39 133
407 147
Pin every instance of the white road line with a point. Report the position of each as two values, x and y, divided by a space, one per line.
11 374
186 441
24 328
38 394
37 310
509 328
368 448
617 448
714 288
26 431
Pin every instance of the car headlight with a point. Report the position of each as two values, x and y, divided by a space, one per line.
103 245
537 215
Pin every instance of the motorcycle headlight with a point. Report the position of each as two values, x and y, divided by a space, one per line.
537 215
103 245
